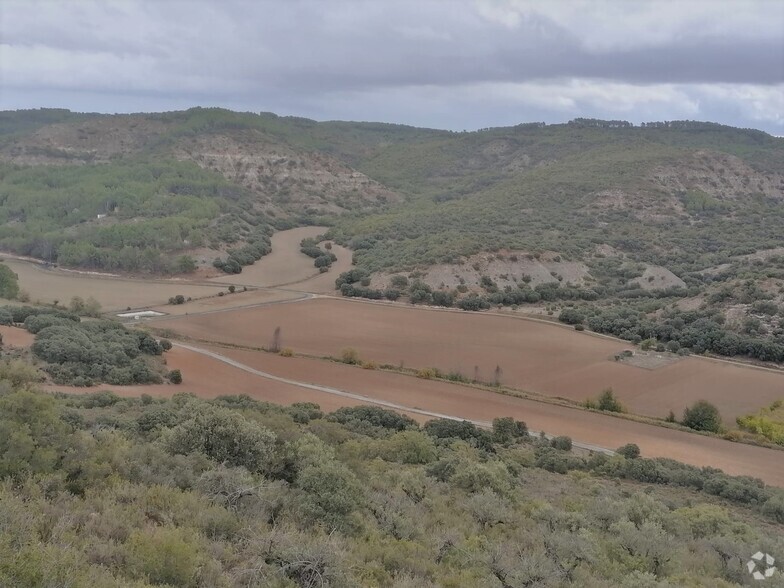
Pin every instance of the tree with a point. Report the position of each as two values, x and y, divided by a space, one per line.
702 416
175 377
507 430
608 402
276 341
571 316
629 451
9 283
185 264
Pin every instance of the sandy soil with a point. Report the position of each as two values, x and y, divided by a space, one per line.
16 337
207 377
535 356
114 294
287 266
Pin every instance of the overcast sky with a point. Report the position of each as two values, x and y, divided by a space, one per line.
457 64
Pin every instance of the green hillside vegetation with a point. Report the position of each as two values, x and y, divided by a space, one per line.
694 198
79 353
106 491
129 215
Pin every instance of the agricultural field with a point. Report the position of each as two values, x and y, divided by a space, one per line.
285 265
535 356
112 293
208 377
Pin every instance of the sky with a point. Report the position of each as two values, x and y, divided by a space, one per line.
454 64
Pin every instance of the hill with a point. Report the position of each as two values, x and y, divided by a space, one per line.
639 231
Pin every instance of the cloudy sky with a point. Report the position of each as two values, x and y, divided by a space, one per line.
457 64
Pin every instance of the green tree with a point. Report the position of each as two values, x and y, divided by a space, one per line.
9 283
506 430
702 416
608 402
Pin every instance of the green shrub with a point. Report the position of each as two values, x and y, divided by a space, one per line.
224 436
629 451
702 416
562 443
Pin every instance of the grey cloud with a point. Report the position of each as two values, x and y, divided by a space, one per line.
318 55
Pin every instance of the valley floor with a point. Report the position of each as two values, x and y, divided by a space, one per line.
538 357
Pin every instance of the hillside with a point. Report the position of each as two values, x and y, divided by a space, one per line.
106 491
660 219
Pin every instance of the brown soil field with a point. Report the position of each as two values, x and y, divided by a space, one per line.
114 294
236 300
16 337
536 356
287 266
208 377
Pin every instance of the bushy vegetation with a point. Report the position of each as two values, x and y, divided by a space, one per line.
9 283
53 212
768 422
102 490
88 353
322 258
702 416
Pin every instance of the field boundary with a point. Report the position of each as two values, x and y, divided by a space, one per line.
501 390
363 398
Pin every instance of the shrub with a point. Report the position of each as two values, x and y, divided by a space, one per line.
465 430
506 430
702 416
350 356
608 402
562 443
224 436
629 451
409 447
175 377
164 556
473 302
399 281
427 373
371 419
9 283
571 316
287 352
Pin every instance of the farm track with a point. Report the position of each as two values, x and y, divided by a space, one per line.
360 397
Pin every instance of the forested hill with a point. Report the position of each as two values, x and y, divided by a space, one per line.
154 192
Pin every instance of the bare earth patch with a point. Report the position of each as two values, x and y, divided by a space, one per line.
536 356
16 337
650 360
113 293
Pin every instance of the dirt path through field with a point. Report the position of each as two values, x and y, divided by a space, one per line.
540 357
213 371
